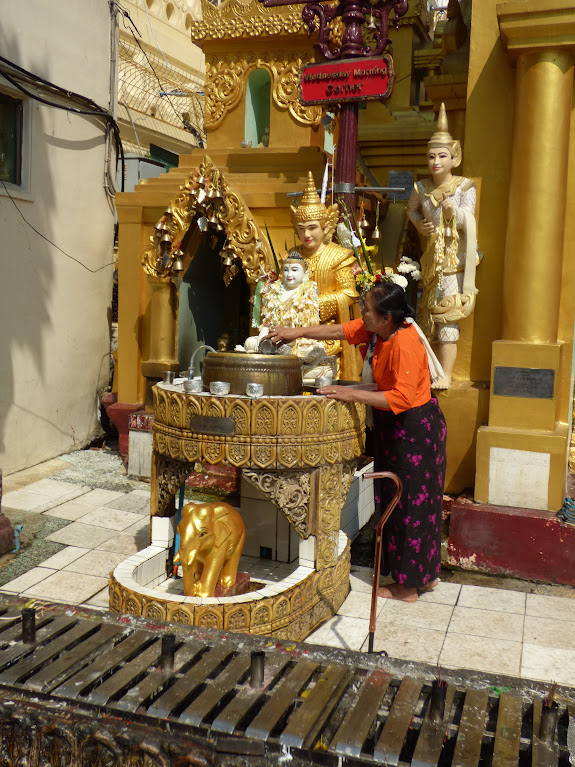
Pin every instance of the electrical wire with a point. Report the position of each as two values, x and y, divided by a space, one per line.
127 18
39 82
48 240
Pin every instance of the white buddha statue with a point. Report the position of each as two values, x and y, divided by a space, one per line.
293 302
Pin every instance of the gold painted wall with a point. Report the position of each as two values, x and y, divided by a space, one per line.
489 122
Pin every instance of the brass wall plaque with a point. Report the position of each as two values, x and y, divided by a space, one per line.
213 425
531 383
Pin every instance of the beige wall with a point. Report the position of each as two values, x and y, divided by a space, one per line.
54 326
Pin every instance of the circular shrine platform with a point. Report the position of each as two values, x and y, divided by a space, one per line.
301 453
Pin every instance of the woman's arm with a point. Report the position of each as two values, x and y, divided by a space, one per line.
315 333
351 394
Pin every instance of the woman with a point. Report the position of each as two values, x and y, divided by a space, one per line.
409 434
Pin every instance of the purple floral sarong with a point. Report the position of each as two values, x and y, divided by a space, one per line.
412 445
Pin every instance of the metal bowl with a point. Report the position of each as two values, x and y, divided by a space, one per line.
279 374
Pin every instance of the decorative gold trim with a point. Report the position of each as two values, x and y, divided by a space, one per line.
246 18
289 491
207 191
226 78
293 614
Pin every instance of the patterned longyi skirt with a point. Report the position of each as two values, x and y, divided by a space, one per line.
412 445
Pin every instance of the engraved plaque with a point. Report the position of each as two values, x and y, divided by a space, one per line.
532 383
402 178
213 425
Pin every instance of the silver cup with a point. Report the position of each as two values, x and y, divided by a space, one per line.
322 381
169 376
193 385
254 389
219 388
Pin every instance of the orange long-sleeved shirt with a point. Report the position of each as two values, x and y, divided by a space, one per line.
400 367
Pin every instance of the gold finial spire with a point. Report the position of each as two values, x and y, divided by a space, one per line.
442 137
311 207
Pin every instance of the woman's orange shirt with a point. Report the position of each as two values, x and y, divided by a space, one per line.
400 367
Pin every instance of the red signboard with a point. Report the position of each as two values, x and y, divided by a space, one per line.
347 80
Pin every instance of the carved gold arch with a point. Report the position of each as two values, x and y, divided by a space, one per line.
226 79
207 195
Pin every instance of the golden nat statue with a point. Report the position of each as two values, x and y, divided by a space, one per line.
330 267
212 537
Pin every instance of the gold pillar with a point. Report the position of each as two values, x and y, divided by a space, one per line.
537 194
522 453
163 329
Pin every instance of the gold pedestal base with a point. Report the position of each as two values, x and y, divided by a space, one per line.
465 406
523 468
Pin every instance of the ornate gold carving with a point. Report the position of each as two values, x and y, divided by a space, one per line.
289 433
289 491
246 19
292 614
244 240
327 524
226 80
170 475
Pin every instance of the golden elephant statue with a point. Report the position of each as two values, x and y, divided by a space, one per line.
212 537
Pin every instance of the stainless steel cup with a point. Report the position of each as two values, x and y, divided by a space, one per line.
254 389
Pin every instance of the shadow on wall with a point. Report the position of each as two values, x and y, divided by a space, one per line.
209 309
27 270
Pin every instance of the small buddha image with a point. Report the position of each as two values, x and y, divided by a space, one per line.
265 142
223 344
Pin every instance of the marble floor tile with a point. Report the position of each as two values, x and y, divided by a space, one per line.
549 632
101 599
137 502
495 656
487 623
79 534
25 581
361 579
126 543
422 645
70 588
54 488
113 519
559 608
71 510
341 631
95 562
424 615
100 497
549 664
483 598
444 593
64 557
358 605
23 500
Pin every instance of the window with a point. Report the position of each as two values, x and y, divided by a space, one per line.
11 130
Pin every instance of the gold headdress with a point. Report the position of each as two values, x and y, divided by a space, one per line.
442 137
311 208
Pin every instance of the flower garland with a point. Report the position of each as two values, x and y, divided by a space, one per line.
364 281
299 310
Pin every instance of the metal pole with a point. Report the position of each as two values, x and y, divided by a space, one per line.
378 545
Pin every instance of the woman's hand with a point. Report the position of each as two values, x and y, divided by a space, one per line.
340 393
283 335
449 209
425 227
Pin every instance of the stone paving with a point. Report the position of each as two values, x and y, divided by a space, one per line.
495 630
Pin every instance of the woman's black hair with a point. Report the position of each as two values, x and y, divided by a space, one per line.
389 298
